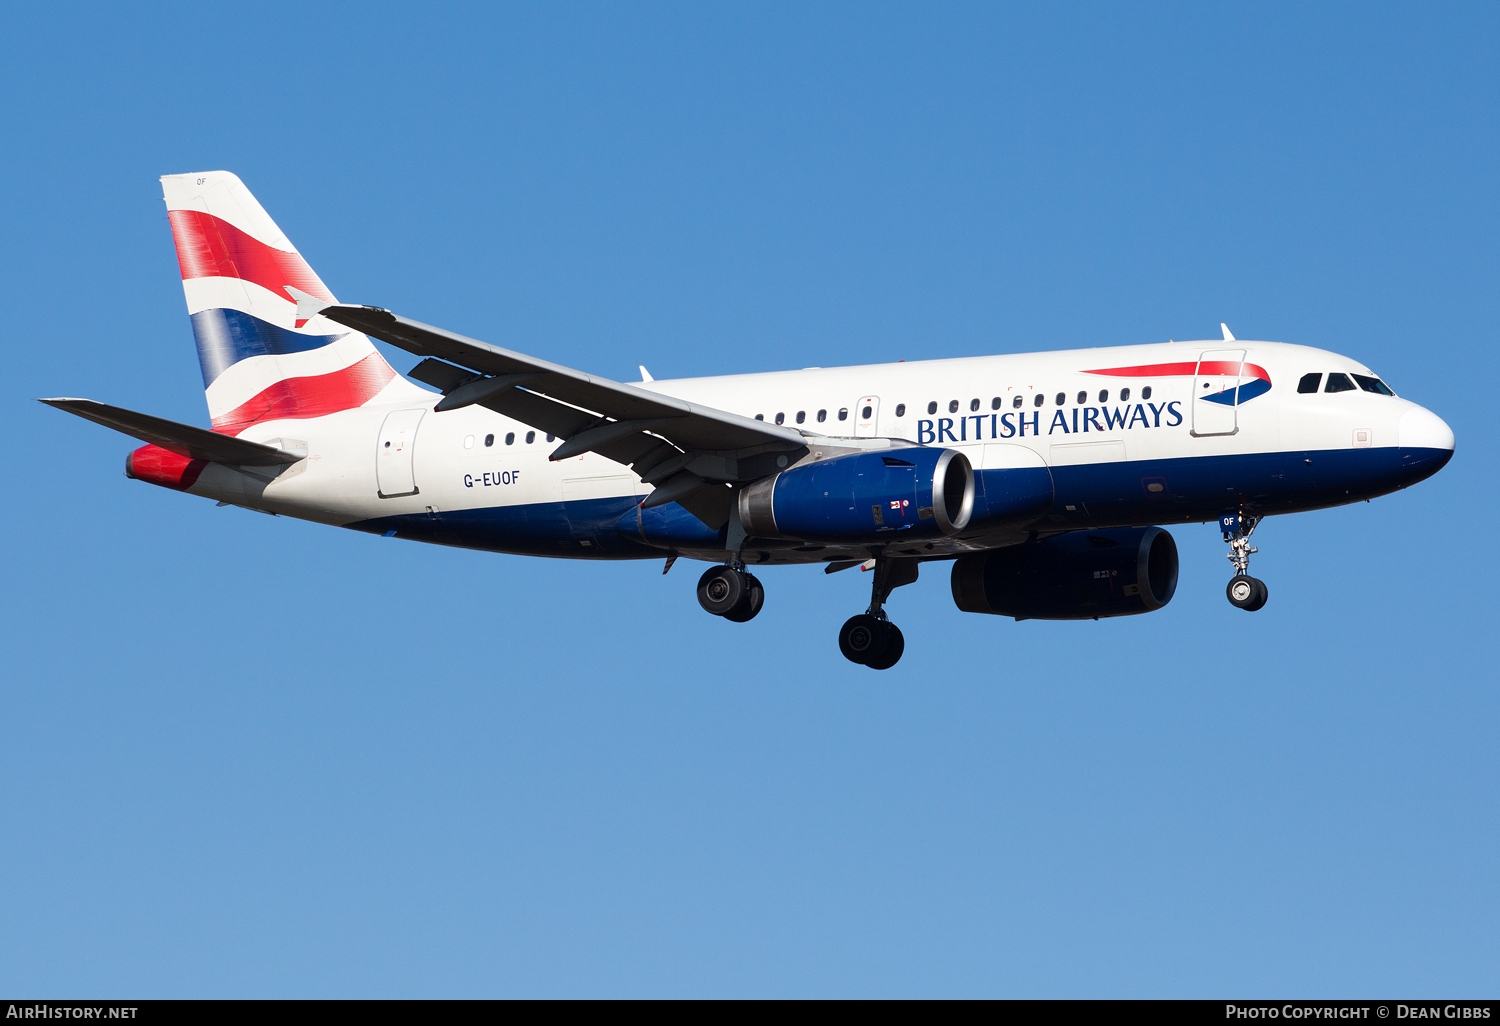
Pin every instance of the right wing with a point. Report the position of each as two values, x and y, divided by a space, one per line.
691 453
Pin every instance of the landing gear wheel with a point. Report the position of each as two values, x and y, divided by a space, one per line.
720 589
1263 594
895 644
750 602
864 639
1247 593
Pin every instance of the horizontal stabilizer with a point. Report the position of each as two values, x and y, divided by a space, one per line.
185 440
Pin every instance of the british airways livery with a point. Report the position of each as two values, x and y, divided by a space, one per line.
1044 479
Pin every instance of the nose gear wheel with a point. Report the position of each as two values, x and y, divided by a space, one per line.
1247 593
1244 592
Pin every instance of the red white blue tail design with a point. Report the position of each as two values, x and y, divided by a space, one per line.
260 360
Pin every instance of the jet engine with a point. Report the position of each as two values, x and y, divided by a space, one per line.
866 496
1083 575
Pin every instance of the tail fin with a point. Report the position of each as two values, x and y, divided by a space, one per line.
260 361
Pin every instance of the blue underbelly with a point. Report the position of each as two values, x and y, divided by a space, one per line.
1089 495
1201 487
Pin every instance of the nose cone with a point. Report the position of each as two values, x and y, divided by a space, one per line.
1423 429
1424 444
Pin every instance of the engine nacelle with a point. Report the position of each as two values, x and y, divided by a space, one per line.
865 496
1078 576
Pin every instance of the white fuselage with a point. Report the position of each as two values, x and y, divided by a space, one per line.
473 467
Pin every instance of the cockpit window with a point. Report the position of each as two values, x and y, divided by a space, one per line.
1309 383
1339 383
1373 385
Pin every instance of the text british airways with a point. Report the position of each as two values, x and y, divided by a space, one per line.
1079 420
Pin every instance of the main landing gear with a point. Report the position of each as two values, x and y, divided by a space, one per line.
731 591
870 638
1244 591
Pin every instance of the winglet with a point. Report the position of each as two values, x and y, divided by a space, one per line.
1227 336
645 374
308 307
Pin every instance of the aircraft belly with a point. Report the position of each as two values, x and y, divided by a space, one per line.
1066 497
583 528
1202 487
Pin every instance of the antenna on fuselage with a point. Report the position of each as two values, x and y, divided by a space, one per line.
1227 336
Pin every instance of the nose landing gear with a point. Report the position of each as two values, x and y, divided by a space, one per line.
1248 593
1244 591
870 638
731 591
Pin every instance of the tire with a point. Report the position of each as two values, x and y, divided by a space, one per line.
1262 594
1243 591
863 638
750 602
895 644
720 589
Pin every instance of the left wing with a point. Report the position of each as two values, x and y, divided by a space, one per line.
692 454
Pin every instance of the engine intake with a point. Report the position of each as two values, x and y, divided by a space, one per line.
1083 575
863 496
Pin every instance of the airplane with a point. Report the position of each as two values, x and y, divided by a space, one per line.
1045 479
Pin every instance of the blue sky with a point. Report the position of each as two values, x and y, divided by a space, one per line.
246 756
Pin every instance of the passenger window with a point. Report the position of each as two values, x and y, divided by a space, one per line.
1309 383
953 406
468 441
551 438
1339 383
995 403
801 416
489 440
1083 397
760 416
865 413
1039 399
530 437
1124 395
1146 392
510 438
1062 397
931 409
1104 395
973 405
1373 385
844 413
900 409
822 416
781 418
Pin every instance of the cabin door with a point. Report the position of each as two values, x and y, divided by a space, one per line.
866 416
1216 392
393 454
